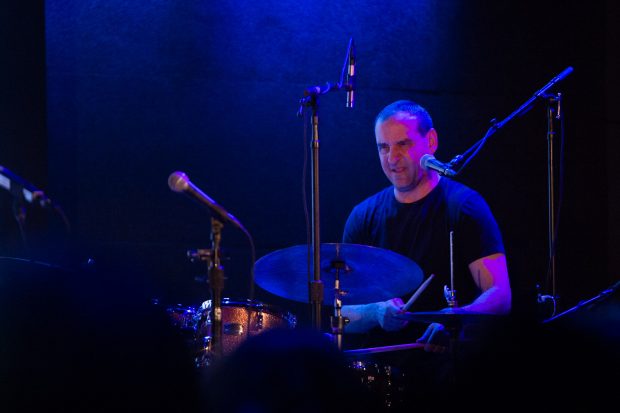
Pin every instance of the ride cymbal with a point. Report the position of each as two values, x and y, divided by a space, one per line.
367 274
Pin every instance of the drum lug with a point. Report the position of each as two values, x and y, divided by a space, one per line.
233 329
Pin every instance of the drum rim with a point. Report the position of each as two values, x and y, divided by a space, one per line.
247 303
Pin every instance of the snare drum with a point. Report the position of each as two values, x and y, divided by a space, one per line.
240 320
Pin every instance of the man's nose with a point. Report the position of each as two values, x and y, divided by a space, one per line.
394 155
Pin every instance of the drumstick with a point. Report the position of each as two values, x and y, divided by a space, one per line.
417 293
372 350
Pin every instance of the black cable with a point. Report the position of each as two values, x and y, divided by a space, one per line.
475 148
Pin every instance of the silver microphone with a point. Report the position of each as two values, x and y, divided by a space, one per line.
350 79
179 182
428 161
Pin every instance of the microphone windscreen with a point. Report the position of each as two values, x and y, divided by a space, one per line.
424 159
178 181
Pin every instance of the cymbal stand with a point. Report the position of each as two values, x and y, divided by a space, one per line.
337 320
450 293
454 328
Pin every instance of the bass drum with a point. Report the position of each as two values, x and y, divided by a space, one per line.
240 320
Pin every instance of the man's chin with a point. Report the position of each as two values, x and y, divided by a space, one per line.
404 188
405 185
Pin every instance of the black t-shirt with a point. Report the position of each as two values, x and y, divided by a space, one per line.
421 232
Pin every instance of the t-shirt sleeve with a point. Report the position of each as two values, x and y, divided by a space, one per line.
354 228
479 224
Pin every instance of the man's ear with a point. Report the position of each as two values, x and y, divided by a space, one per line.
432 140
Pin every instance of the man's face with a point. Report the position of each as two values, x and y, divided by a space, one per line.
401 146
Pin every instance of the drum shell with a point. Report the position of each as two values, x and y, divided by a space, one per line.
240 320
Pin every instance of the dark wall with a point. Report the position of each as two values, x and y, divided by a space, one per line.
135 92
612 126
23 134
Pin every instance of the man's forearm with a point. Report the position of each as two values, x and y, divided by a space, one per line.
362 317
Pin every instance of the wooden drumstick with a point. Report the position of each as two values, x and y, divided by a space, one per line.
417 293
372 350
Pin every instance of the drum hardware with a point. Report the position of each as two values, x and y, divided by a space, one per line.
189 319
381 379
200 254
259 321
205 255
216 283
183 318
337 320
234 329
450 293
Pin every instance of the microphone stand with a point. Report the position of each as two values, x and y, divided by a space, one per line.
498 125
600 297
553 112
315 287
310 99
216 283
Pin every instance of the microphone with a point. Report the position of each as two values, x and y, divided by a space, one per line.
428 161
23 189
179 182
553 81
350 79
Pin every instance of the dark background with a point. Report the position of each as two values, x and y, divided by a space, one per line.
101 100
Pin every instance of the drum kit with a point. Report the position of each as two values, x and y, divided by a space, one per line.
367 274
360 274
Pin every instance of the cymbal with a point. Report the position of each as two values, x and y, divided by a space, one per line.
367 274
447 316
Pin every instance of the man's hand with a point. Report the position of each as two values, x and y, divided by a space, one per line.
385 314
436 338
